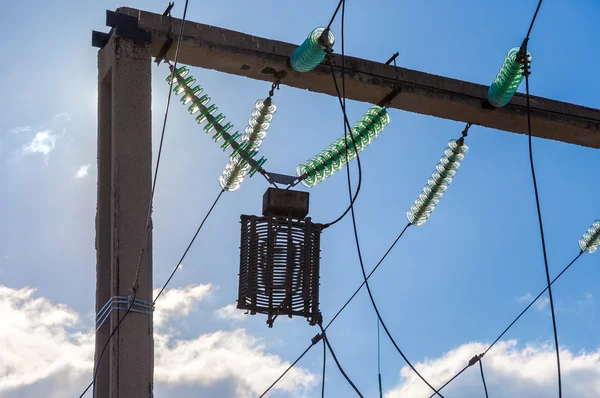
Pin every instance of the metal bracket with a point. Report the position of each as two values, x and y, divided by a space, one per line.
123 25
122 303
163 51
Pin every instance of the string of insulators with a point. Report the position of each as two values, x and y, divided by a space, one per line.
198 104
255 132
342 150
591 239
442 176
508 79
312 52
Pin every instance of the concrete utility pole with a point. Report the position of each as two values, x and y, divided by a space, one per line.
125 158
124 189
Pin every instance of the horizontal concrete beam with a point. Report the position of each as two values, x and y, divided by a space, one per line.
258 58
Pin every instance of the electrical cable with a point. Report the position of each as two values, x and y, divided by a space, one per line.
287 370
324 336
149 212
324 364
379 361
526 73
178 265
483 378
355 229
334 14
341 309
342 100
516 319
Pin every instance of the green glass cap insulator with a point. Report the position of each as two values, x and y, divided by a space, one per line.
508 79
179 72
437 185
208 111
185 84
223 130
195 92
342 150
214 123
198 104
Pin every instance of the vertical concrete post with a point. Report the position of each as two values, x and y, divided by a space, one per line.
124 190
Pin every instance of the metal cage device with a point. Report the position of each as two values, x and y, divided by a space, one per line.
279 259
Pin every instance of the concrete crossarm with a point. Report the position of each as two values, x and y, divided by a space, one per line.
258 58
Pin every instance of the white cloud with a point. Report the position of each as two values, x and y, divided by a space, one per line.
226 355
82 171
44 142
230 311
178 302
541 303
45 351
37 339
510 371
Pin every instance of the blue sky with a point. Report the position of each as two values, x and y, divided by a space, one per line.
448 288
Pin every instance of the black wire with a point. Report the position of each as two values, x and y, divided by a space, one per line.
334 14
177 266
351 207
539 214
483 378
533 19
340 310
287 370
324 364
517 318
368 276
379 361
451 380
342 100
324 335
145 237
532 302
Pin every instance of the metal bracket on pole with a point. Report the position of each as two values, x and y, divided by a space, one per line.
123 25
122 303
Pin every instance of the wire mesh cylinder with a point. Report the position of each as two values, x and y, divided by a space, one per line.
279 267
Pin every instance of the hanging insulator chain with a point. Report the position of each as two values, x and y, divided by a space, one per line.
205 113
590 241
433 192
337 154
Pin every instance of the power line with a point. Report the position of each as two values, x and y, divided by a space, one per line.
313 342
514 320
324 335
177 266
354 227
526 73
324 364
483 378
379 361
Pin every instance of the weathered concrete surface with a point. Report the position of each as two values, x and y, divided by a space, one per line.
255 57
124 190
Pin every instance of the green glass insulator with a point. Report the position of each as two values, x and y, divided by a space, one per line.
208 111
229 140
259 164
188 97
591 239
437 185
223 130
186 83
198 104
179 72
312 51
213 123
342 150
508 79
